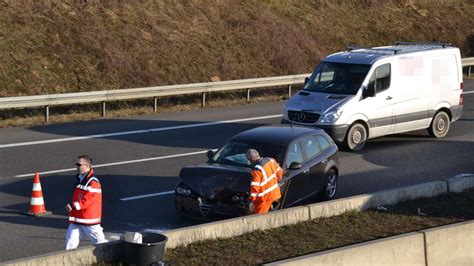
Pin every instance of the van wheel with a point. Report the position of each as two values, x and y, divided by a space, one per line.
356 137
328 192
440 125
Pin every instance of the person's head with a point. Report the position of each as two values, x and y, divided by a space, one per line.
252 155
83 164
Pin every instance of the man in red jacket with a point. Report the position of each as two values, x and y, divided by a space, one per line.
85 210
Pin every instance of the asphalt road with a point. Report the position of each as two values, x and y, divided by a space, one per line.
136 163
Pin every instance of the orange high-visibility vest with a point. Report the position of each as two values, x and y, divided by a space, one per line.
86 201
265 176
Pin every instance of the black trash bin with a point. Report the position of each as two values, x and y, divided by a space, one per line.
150 251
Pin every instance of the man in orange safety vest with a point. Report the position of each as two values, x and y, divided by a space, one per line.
264 188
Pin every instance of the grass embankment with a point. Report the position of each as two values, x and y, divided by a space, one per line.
56 47
325 233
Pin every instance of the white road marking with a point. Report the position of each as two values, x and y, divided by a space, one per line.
462 175
148 195
468 92
29 143
118 163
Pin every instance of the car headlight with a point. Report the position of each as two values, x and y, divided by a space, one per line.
182 189
238 198
332 116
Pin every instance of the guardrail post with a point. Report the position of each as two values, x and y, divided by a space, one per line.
46 114
203 100
289 91
155 104
103 109
248 95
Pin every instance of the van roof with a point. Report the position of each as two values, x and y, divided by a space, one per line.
362 55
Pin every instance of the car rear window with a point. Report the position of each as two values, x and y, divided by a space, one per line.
314 145
323 141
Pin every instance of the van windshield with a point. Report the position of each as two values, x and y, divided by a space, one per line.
337 78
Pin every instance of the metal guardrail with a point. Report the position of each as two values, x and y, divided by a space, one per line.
148 92
154 92
468 62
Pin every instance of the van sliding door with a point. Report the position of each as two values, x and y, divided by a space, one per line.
411 110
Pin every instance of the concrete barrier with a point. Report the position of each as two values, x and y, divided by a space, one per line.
460 183
88 255
236 226
388 197
407 249
450 245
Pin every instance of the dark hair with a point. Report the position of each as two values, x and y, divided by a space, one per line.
85 158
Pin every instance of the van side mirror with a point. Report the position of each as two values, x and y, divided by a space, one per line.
368 91
306 80
210 154
295 166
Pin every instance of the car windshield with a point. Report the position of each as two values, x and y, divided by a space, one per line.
233 153
337 78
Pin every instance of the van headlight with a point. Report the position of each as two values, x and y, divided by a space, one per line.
331 116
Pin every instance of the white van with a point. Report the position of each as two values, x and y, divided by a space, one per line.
364 93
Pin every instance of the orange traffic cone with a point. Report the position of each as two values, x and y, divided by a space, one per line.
37 207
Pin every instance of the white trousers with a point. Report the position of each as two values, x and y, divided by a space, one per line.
76 231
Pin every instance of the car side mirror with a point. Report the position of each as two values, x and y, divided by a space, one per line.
368 91
295 166
210 154
306 80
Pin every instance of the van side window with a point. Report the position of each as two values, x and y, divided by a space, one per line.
380 79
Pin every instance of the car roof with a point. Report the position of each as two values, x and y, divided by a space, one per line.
361 55
278 134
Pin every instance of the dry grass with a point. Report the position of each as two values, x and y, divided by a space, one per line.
70 46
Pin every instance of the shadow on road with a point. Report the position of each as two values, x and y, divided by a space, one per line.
188 137
157 212
398 161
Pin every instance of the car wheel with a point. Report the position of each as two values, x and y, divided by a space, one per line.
440 125
356 137
330 186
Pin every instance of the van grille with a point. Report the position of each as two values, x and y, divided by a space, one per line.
303 117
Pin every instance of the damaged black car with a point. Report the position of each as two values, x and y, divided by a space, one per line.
220 187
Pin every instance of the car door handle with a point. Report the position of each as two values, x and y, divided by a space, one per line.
306 171
388 98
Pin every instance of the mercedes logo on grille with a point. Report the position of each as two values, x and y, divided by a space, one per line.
301 116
